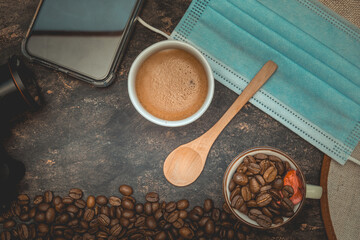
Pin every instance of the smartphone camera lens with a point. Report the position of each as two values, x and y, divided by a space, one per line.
18 88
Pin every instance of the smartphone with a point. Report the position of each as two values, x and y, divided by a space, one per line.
82 38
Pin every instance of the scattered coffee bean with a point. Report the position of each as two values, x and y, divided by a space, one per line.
76 193
48 196
126 190
101 200
152 197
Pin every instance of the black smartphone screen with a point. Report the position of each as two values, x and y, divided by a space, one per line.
82 37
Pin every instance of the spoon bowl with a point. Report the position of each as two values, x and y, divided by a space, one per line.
185 164
179 172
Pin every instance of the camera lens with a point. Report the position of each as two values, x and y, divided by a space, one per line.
18 88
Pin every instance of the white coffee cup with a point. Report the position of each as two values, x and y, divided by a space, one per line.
169 44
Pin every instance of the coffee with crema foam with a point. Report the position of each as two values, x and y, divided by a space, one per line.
171 84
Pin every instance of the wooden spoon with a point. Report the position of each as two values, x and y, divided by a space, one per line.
185 164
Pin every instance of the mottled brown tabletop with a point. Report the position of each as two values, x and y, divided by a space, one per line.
94 139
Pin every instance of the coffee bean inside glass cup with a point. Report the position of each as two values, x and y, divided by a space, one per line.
265 190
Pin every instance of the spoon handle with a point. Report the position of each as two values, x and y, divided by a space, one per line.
255 84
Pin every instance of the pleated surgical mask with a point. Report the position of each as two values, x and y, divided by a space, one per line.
316 89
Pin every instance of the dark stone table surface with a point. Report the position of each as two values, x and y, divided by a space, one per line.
93 138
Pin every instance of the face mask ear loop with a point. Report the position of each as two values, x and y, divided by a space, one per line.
152 28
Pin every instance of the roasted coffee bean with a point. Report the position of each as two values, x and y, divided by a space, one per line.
90 202
245 193
152 197
57 200
72 209
63 218
24 217
140 221
126 190
161 236
128 213
50 215
270 174
287 191
280 167
67 200
16 209
103 220
243 166
274 211
155 206
275 194
73 222
5 235
215 214
265 188
263 199
23 199
288 213
80 203
267 212
278 220
235 192
60 208
254 168
23 231
114 201
275 205
264 221
9 224
261 156
76 193
158 214
237 202
232 185
148 208
240 179
254 185
116 230
48 196
274 158
127 204
38 199
254 213
251 203
171 206
183 214
89 214
260 180
244 209
32 212
203 220
209 227
208 205
186 233
173 216
278 183
101 200
40 217
287 204
151 222
139 208
43 207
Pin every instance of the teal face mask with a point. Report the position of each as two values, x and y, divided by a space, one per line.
316 89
